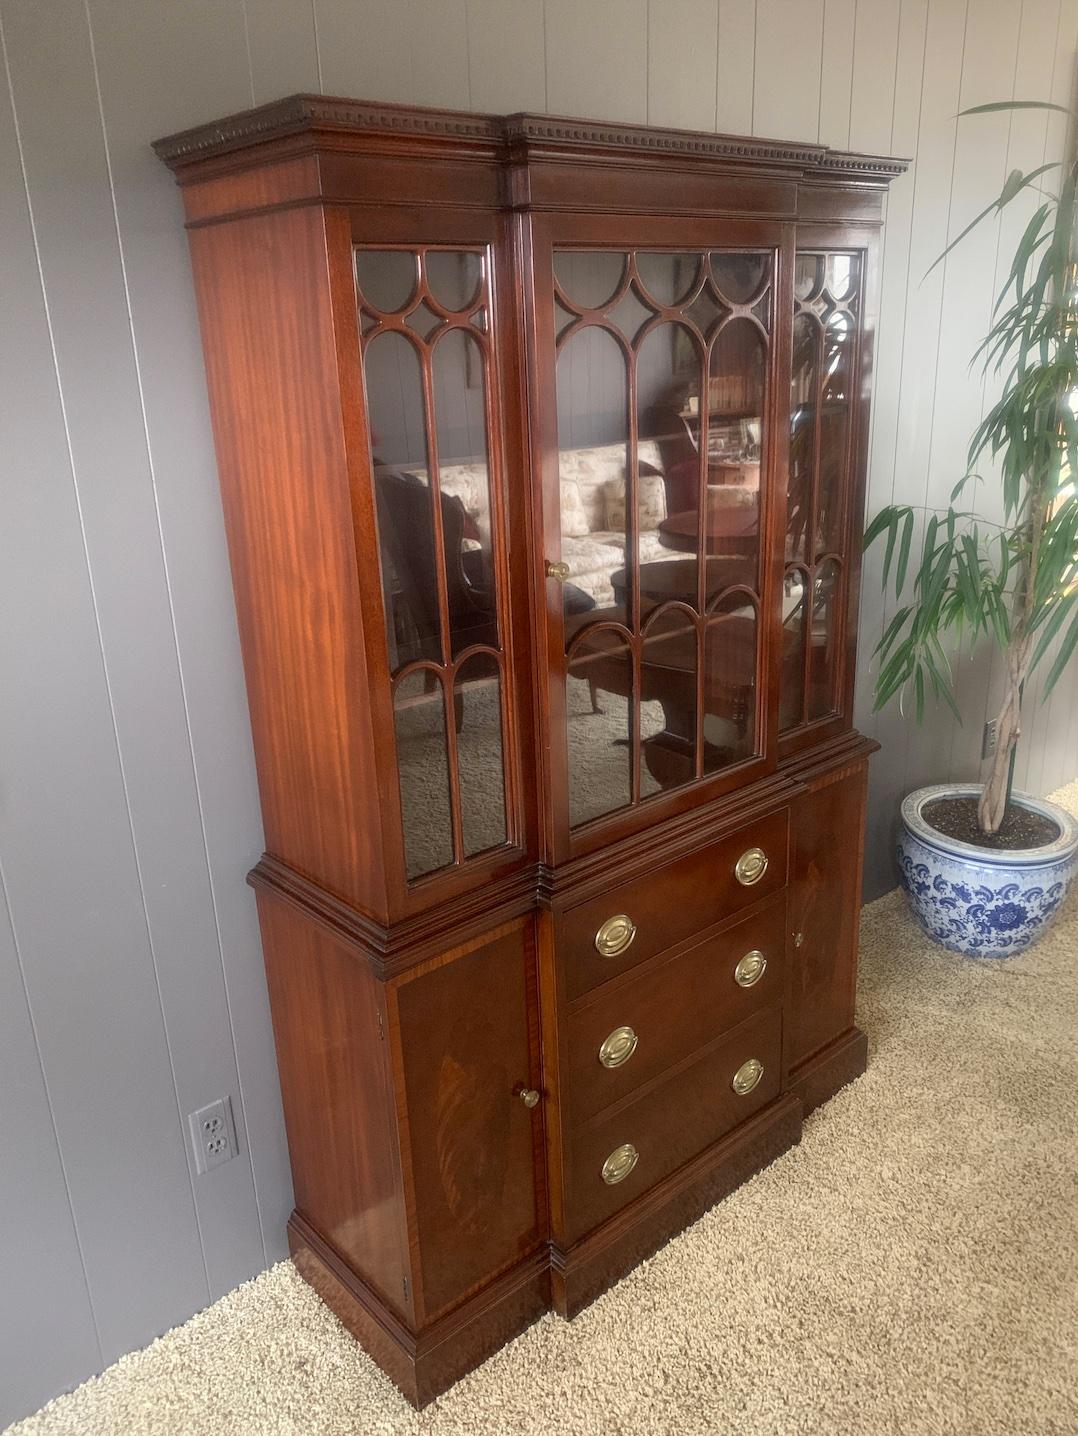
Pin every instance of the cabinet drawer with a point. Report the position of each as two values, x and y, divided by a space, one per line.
620 1039
671 1122
668 905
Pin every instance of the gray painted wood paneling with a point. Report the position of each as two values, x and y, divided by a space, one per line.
131 984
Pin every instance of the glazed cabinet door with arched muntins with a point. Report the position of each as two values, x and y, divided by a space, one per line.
822 489
658 501
430 372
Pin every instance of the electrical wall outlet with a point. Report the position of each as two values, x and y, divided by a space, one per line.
213 1134
988 744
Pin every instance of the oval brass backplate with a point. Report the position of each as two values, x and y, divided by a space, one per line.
619 1164
750 969
618 1047
747 1076
559 571
615 935
750 867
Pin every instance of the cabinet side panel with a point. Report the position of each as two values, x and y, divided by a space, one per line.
265 306
828 826
342 1135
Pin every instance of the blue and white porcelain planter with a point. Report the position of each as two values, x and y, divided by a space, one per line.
982 901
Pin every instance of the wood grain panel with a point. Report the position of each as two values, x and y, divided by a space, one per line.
330 1029
268 332
825 879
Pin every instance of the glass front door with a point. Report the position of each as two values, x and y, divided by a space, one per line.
663 361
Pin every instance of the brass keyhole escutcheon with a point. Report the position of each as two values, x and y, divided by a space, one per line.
558 571
619 1164
529 1096
618 1047
615 935
750 969
750 867
747 1076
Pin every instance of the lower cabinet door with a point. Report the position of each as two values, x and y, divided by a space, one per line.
471 1142
825 904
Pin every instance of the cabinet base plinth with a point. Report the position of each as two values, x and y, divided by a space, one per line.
605 1255
825 1073
423 1365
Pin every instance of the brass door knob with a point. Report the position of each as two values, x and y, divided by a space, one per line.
619 1164
750 969
618 1047
615 935
750 867
747 1076
529 1096
559 572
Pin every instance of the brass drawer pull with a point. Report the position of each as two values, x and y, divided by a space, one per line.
559 572
750 867
618 1047
747 1076
615 935
619 1164
750 969
529 1096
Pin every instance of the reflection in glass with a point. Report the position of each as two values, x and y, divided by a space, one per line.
460 423
834 427
598 689
589 277
477 712
792 680
823 664
669 370
593 436
423 767
804 384
667 278
843 272
403 497
699 380
629 314
730 663
386 278
668 701
453 277
808 276
736 394
738 277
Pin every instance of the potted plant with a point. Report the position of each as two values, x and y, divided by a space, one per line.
986 868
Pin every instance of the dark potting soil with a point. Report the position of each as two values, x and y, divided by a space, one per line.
957 818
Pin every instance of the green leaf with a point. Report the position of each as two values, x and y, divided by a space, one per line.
997 105
1062 658
904 552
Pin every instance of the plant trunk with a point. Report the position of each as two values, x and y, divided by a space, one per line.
993 801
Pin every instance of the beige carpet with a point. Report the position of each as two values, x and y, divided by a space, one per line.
911 1268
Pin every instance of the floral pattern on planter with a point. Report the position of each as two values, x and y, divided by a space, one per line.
984 909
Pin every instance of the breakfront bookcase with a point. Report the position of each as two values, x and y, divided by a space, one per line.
542 449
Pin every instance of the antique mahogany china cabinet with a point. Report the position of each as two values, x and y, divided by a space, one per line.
542 446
